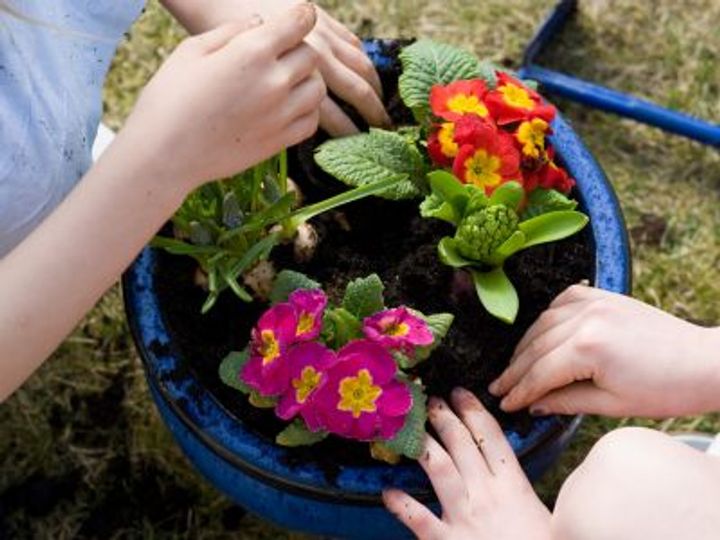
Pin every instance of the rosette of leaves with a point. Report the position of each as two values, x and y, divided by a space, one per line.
489 230
229 226
342 323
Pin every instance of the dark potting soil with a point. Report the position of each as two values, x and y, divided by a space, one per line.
391 239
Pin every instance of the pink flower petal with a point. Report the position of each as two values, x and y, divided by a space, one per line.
310 306
390 426
396 399
365 354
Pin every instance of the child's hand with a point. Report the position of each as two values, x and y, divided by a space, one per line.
603 353
482 489
228 99
347 70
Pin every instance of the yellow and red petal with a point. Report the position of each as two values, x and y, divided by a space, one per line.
530 137
490 164
512 101
442 146
459 98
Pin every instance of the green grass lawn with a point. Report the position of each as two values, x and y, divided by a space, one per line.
82 447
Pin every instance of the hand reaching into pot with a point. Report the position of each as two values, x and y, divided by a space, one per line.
602 353
482 488
345 67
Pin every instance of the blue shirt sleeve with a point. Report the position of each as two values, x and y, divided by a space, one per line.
53 63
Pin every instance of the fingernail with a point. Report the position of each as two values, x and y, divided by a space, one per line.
494 388
538 410
433 402
460 392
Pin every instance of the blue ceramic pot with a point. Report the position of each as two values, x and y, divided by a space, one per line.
261 476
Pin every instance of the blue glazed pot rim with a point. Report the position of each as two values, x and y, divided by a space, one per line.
228 437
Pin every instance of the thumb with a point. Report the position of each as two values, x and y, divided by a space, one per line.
577 398
285 32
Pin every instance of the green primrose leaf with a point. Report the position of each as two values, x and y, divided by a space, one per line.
297 434
364 296
450 190
372 157
409 440
542 201
511 246
261 402
497 294
427 63
439 324
552 226
510 194
340 327
289 281
433 206
450 256
230 368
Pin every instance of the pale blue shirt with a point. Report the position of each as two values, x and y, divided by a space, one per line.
52 70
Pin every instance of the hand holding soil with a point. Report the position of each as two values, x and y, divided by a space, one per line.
601 353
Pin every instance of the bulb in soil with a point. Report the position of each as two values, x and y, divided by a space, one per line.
200 279
260 279
292 187
305 243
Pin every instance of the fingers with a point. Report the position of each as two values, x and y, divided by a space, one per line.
217 38
578 398
457 440
282 33
551 372
306 97
414 515
334 121
301 129
578 293
352 88
338 29
540 346
298 64
444 477
358 61
487 433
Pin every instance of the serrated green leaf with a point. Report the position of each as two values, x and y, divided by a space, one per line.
340 327
409 440
552 227
364 296
439 324
372 157
288 281
497 294
510 194
427 63
449 254
230 368
541 201
297 434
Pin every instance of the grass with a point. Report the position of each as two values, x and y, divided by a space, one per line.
84 426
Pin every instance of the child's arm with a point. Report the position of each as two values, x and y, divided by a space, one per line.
222 102
347 70
601 353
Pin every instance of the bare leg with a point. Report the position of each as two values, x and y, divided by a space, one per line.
640 484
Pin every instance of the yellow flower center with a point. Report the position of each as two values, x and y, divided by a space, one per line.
516 96
532 136
464 104
308 381
305 324
397 330
270 348
446 136
358 394
482 169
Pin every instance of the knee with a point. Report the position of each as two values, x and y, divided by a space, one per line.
590 502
